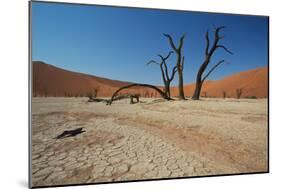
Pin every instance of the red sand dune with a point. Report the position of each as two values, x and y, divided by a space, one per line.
254 83
49 80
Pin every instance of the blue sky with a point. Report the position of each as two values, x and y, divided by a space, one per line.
117 43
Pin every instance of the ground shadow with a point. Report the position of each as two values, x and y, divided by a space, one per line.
70 133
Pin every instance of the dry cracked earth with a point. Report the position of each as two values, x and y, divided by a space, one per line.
149 140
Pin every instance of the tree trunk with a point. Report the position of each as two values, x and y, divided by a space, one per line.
180 87
197 91
180 62
165 74
196 94
167 89
209 51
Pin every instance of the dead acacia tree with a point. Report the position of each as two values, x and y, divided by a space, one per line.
163 95
239 92
96 91
165 73
224 94
209 51
179 63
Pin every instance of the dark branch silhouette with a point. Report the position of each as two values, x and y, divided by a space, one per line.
212 69
124 96
209 51
179 63
239 92
162 94
98 100
224 94
165 73
70 133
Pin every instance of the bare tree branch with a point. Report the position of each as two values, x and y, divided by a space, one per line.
165 58
182 63
207 43
173 73
162 71
212 69
163 95
166 70
208 56
217 33
178 51
152 62
165 64
216 40
181 41
170 41
223 47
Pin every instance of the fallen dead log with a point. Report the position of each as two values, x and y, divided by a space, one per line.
98 100
118 97
162 94
125 96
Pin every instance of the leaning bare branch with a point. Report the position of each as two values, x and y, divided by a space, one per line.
207 42
173 73
182 63
165 58
181 41
217 33
170 41
152 62
162 94
212 69
98 100
223 47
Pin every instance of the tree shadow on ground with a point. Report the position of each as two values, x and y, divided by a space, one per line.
70 133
